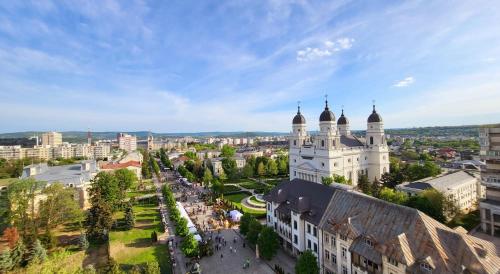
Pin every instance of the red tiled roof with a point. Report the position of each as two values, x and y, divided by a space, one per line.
121 165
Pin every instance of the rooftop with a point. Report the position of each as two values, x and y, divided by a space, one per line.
67 174
442 183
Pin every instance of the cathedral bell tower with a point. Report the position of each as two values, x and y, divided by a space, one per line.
375 130
328 137
299 133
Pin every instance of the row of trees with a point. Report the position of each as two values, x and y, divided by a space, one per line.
162 154
189 245
28 222
401 172
258 235
335 179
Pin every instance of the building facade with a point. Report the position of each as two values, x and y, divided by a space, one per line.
489 140
462 187
335 151
52 139
127 142
217 164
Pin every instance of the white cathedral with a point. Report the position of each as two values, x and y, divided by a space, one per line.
334 150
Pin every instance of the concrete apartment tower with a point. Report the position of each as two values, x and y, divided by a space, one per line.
489 140
52 139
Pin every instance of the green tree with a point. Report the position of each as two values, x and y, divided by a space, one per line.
152 267
83 243
6 263
18 254
245 221
390 195
268 243
247 171
327 180
434 204
207 176
283 165
420 171
106 184
100 216
37 253
217 187
129 217
272 168
341 179
227 151
230 167
253 231
190 246
23 209
222 176
181 228
261 169
58 207
364 185
155 166
307 264
126 178
191 155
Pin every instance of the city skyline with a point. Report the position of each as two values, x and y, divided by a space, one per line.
243 66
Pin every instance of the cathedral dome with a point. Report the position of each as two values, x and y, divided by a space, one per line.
327 115
374 117
342 119
299 118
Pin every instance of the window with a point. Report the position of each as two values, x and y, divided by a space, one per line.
316 247
426 267
268 206
294 142
275 226
368 242
309 228
344 269
334 241
309 244
327 255
322 143
315 232
344 252
323 164
393 262
334 259
343 237
295 239
371 140
333 142
327 239
268 218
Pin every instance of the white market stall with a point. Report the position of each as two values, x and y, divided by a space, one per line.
235 215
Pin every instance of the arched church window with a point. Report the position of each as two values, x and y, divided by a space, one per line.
294 142
333 142
371 140
322 143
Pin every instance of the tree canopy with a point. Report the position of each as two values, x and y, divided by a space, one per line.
307 264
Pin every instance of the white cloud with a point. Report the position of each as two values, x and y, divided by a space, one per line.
405 82
329 48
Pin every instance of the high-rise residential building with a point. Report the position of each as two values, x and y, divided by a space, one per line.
52 139
127 142
335 151
489 140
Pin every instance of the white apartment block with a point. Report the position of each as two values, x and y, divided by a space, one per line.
98 151
335 151
51 139
462 187
127 142
489 140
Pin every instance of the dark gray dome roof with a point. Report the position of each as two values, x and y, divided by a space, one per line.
299 118
374 117
342 119
327 115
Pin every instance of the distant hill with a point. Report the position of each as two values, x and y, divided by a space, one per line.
81 136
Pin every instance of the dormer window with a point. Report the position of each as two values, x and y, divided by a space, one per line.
368 242
425 267
392 261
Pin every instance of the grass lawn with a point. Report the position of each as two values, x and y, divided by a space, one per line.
253 199
62 261
231 188
134 246
236 199
252 185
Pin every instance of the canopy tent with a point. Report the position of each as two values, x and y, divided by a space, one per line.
235 215
190 225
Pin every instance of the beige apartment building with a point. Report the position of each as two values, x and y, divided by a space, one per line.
52 138
63 151
489 140
127 142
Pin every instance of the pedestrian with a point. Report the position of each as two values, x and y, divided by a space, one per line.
222 256
243 244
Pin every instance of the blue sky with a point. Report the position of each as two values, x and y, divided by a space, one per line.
184 66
